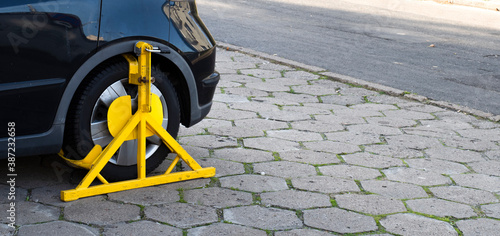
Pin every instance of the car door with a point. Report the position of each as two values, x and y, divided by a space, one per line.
42 43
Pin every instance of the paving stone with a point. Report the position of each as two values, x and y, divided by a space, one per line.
229 98
282 115
285 169
350 172
182 215
411 224
209 141
246 91
98 211
20 193
371 204
302 232
295 135
413 141
7 230
374 107
254 183
292 97
255 107
343 99
372 160
374 129
464 195
447 124
212 123
479 226
441 208
222 167
338 220
493 155
469 144
263 218
316 126
185 185
479 181
333 147
430 132
314 90
394 189
242 78
309 157
231 114
410 115
222 229
271 66
414 176
357 91
354 138
310 110
293 199
391 121
348 112
243 155
415 106
261 124
453 154
325 184
237 132
300 75
492 210
340 119
269 87
142 227
57 228
259 73
217 197
394 151
486 167
228 84
146 196
271 144
481 134
235 65
29 213
438 166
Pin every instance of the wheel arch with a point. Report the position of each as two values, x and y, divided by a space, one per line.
181 75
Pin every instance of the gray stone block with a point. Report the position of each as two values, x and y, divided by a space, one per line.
271 144
317 126
217 197
309 157
479 226
464 195
453 154
243 155
208 141
302 232
370 204
293 199
222 167
478 181
261 124
295 135
413 141
492 210
284 169
372 160
182 215
395 150
438 166
222 229
391 121
340 221
146 196
142 227
57 228
325 184
415 176
486 167
254 183
394 189
354 138
333 147
30 212
441 208
98 211
350 172
411 224
263 218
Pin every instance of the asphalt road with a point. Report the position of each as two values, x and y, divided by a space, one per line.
444 52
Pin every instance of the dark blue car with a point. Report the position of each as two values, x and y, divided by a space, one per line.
61 66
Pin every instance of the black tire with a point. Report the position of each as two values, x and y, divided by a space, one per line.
86 124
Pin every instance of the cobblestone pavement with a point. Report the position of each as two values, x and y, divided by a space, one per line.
296 154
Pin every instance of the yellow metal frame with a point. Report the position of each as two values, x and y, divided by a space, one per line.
139 126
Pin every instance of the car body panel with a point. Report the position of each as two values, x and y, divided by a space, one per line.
69 64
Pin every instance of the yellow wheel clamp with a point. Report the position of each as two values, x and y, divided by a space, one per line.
124 126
